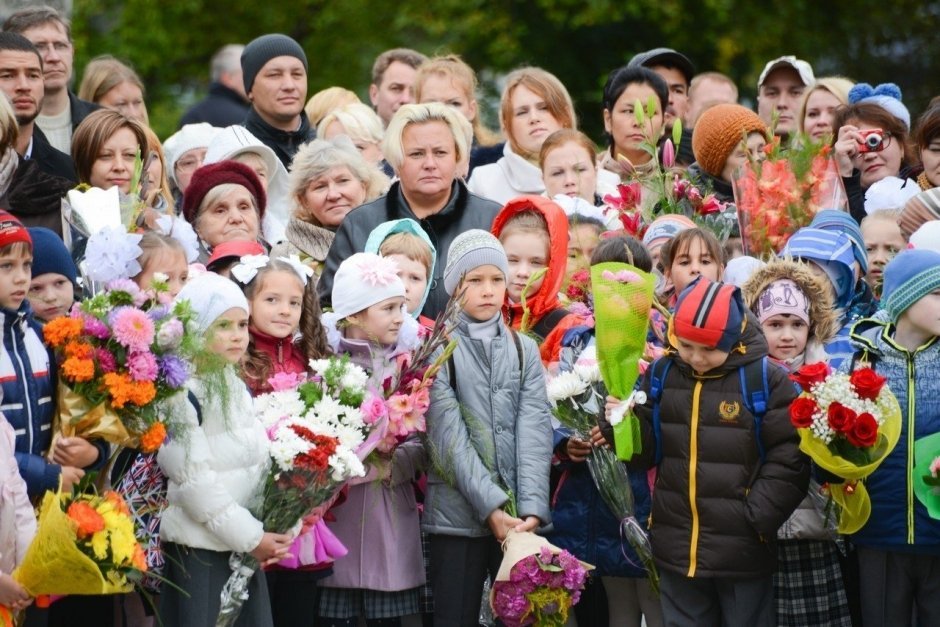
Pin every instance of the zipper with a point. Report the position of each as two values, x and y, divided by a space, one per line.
910 448
693 463
27 402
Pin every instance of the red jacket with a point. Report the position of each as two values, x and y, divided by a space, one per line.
285 357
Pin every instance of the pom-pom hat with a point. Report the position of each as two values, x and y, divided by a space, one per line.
887 96
718 131
910 276
12 230
363 280
261 50
215 174
709 313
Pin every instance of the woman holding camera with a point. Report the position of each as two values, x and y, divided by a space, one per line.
871 142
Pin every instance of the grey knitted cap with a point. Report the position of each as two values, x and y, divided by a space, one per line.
265 48
469 250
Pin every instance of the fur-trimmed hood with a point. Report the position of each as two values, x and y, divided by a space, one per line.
824 317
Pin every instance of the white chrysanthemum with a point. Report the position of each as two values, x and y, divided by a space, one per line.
354 379
588 369
274 406
319 366
345 465
327 409
565 386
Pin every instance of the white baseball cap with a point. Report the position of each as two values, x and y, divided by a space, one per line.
804 69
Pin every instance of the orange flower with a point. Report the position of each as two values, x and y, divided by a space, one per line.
79 350
59 331
78 370
142 392
139 559
153 438
118 502
119 387
87 520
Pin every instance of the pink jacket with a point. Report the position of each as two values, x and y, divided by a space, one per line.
17 519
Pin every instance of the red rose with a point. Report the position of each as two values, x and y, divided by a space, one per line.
811 374
864 432
867 383
801 412
841 418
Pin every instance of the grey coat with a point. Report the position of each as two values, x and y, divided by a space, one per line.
497 420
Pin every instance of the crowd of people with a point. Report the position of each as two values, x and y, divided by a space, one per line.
299 228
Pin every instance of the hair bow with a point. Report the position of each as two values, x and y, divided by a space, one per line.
247 268
182 232
112 253
304 271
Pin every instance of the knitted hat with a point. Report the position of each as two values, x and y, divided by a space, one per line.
927 237
664 57
210 296
923 207
832 252
469 250
190 137
666 227
363 280
719 130
837 221
709 313
738 270
215 174
55 256
887 96
783 297
265 48
910 276
229 251
804 69
12 230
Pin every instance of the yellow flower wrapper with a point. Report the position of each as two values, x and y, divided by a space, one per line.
76 417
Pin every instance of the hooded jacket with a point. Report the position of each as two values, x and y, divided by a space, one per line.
382 232
545 299
717 508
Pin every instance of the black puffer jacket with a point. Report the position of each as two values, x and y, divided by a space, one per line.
716 508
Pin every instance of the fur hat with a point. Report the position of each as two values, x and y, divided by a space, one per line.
887 96
469 250
709 313
718 131
215 174
210 296
261 50
910 276
55 256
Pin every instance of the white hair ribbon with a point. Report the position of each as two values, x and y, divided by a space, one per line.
304 271
247 268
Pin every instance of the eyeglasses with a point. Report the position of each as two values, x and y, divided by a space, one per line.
188 164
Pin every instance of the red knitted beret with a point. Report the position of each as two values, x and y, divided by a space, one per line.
12 230
718 131
220 173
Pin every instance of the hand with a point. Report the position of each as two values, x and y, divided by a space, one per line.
846 148
500 523
531 523
272 548
70 476
597 438
12 594
77 452
577 450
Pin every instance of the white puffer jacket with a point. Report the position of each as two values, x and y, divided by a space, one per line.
215 471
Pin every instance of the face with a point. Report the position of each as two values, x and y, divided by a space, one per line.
875 166
126 98
923 317
678 93
189 162
930 158
57 53
485 291
280 90
701 358
254 161
51 296
568 170
115 162
582 240
752 149
527 254
231 217
370 151
22 81
168 261
15 275
397 88
444 89
229 335
277 303
380 323
332 195
430 160
786 336
883 240
781 92
820 105
706 93
691 263
531 121
621 123
155 174
414 275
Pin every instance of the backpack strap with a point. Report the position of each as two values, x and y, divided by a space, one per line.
658 372
195 401
548 322
452 369
755 388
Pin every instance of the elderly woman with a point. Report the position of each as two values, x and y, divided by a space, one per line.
114 85
185 152
425 144
328 179
224 202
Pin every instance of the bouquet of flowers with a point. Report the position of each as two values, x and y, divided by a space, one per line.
120 353
781 194
848 423
927 473
537 583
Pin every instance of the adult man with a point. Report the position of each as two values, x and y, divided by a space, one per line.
676 69
274 70
21 79
780 90
708 89
393 80
226 103
50 32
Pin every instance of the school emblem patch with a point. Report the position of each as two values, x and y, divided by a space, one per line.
729 411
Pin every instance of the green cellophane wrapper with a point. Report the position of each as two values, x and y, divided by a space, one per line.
926 450
621 313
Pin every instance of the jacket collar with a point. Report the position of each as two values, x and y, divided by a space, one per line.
281 349
313 240
285 143
218 89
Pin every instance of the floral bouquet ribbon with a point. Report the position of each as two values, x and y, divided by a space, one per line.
623 295
927 473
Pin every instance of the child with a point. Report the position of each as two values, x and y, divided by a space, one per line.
797 315
899 546
863 302
161 254
52 289
489 433
660 231
378 522
724 484
534 233
690 254
17 524
406 243
584 234
883 240
725 138
215 468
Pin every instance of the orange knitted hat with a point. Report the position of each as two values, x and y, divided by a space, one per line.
718 131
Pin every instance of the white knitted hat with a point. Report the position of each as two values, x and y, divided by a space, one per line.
211 295
363 280
190 137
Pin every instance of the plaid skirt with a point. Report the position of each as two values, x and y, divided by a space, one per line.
351 602
808 585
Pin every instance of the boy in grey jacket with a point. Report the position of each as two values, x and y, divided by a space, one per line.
490 436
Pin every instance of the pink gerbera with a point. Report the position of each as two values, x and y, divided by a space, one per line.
132 328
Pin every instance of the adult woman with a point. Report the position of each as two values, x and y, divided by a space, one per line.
569 166
105 146
820 103
361 124
626 155
159 196
326 101
534 105
424 144
450 81
927 140
114 85
327 180
185 152
225 202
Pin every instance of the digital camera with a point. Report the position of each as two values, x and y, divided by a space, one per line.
873 140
